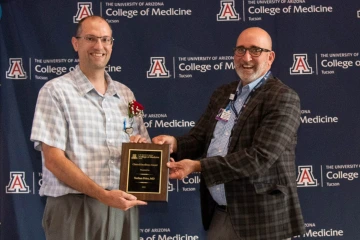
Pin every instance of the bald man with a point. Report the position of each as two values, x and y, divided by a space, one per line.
246 142
76 126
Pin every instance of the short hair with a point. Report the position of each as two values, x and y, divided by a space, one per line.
79 26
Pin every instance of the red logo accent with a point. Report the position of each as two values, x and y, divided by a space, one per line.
157 68
84 10
17 183
305 177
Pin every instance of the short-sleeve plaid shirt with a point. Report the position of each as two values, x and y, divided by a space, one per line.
72 116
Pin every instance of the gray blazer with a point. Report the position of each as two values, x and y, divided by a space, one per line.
259 170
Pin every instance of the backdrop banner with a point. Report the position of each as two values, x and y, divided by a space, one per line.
173 55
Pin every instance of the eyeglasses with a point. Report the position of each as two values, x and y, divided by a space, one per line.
253 51
93 39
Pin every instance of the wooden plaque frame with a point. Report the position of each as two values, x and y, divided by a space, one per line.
144 173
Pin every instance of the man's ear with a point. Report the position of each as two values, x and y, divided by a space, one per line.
75 43
271 57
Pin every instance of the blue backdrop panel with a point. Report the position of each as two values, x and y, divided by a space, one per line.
173 54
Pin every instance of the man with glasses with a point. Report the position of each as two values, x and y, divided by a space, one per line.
81 120
246 142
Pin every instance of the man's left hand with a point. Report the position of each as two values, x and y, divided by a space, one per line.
179 170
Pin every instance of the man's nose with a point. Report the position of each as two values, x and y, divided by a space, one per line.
98 43
247 57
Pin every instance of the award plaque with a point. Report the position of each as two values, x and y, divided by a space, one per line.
144 173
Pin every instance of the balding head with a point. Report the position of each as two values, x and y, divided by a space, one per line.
257 36
81 22
251 65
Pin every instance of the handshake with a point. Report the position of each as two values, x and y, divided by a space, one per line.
178 170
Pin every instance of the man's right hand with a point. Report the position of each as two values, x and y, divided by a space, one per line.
120 199
166 139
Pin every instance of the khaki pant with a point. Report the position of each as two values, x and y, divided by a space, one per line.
80 217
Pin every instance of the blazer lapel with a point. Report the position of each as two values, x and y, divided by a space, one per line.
256 99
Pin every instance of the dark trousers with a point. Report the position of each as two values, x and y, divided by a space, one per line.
221 227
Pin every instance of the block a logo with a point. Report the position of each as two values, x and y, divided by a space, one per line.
300 65
17 183
16 69
84 9
157 68
306 177
227 11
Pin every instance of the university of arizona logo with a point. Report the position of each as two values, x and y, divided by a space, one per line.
306 177
157 68
227 11
17 183
16 69
300 65
84 9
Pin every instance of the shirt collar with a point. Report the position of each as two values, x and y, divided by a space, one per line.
85 86
251 85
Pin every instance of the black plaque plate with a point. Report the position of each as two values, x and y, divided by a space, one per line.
144 173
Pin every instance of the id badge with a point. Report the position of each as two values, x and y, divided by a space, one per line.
223 115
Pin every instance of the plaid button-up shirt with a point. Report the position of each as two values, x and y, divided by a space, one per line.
72 116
